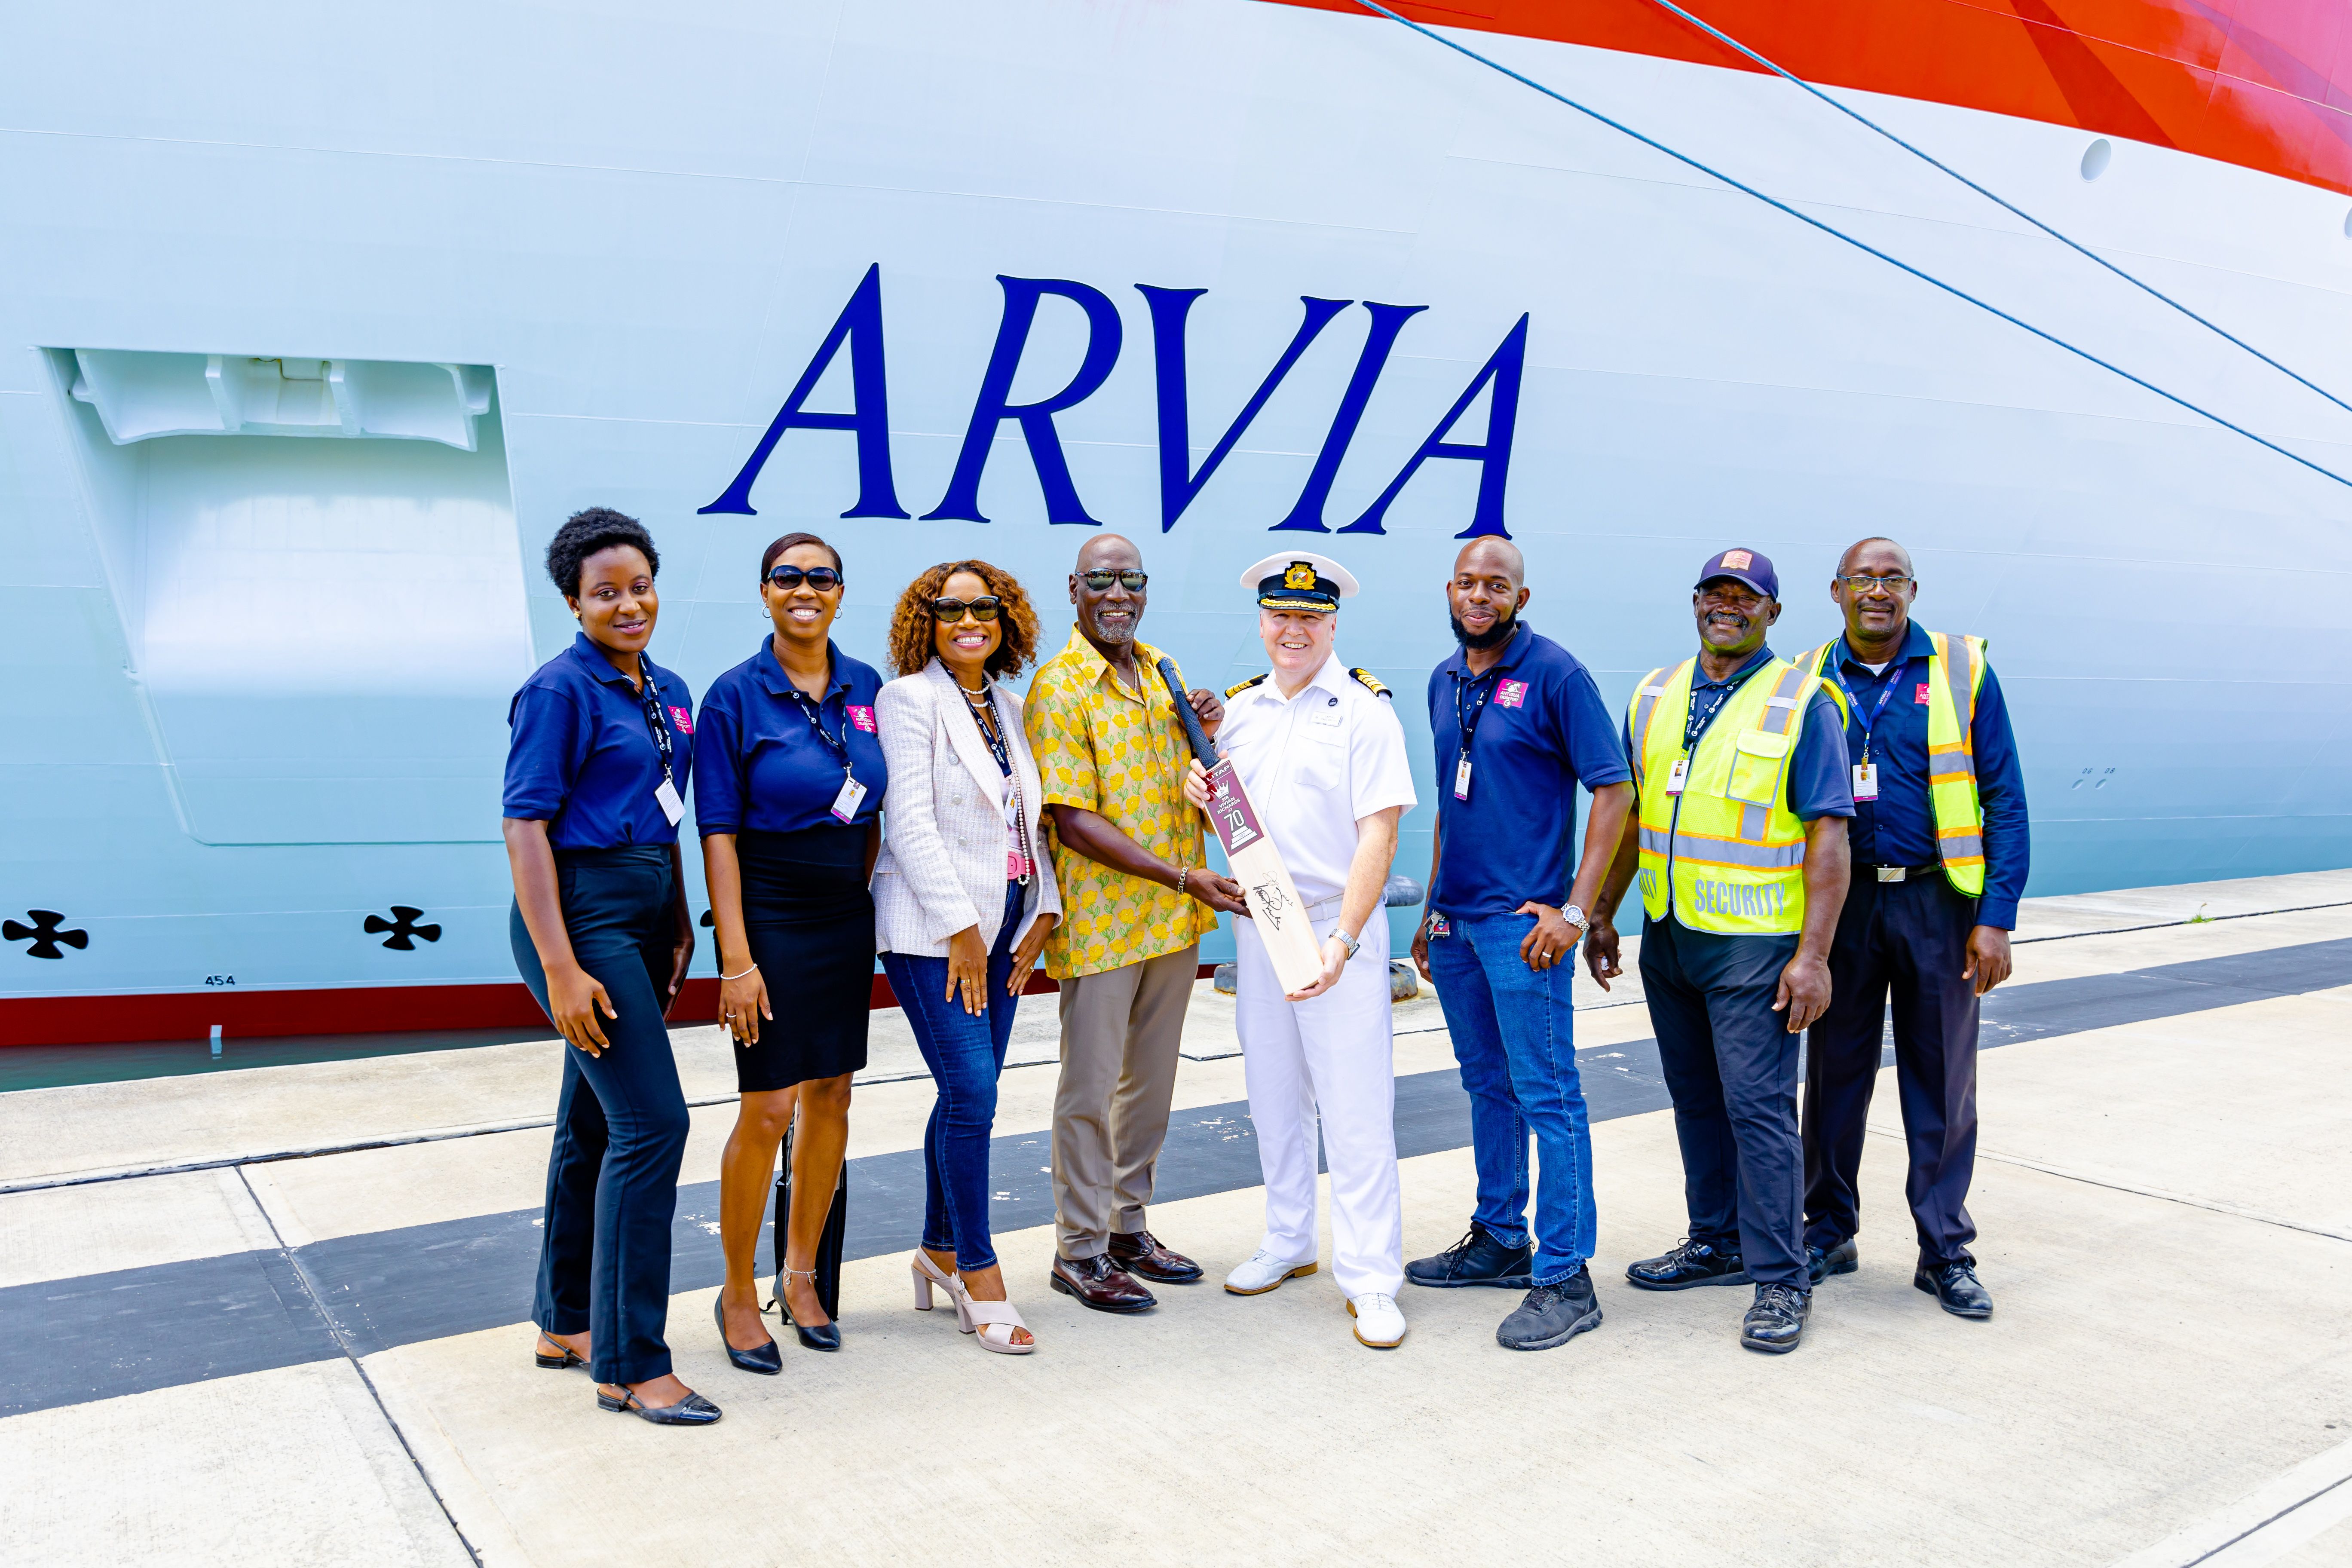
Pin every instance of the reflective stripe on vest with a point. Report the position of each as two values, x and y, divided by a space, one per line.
1728 863
1955 672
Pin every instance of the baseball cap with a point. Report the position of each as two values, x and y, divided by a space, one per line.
1747 566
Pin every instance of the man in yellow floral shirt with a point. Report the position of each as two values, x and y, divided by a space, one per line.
1136 896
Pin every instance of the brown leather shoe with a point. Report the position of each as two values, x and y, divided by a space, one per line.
1140 1253
1100 1283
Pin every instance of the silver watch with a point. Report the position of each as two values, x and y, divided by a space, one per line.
1576 918
1352 945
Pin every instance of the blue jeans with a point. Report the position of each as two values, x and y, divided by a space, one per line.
1514 1034
965 1055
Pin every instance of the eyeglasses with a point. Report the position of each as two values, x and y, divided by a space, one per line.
949 611
1101 582
824 579
1865 585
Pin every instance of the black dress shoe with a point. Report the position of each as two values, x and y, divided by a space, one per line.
1100 1283
692 1411
1955 1285
1777 1322
1552 1314
1476 1259
1843 1259
1141 1253
767 1361
1692 1263
823 1336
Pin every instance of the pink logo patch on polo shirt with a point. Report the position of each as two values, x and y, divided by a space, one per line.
1920 695
683 719
863 717
1511 694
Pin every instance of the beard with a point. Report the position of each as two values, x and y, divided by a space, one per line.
1495 636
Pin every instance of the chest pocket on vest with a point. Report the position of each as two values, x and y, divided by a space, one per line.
1757 766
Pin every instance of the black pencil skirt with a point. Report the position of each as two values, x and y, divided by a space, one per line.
810 922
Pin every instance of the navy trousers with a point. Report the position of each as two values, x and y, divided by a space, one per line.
621 1125
1908 939
1731 1066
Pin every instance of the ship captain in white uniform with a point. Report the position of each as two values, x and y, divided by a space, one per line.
1321 755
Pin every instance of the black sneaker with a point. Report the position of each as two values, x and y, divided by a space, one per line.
1777 1322
1843 1259
1692 1263
1552 1314
1478 1258
1955 1286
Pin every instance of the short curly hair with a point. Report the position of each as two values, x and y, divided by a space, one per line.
585 532
912 624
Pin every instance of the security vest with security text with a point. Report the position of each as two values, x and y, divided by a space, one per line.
1727 848
1955 672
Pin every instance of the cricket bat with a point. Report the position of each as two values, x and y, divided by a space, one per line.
1253 857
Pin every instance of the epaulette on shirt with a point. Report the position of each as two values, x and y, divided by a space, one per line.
1373 684
1241 686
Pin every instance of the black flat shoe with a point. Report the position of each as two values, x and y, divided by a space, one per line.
822 1337
1954 1287
767 1359
570 1358
692 1411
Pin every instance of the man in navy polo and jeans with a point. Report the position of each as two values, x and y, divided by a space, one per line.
1518 725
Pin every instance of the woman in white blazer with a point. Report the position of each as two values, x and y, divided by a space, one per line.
964 896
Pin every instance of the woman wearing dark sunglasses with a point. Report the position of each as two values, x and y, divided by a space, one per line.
963 897
788 784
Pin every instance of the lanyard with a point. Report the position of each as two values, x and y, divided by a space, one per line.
811 712
1695 725
1468 724
655 720
1023 857
1885 693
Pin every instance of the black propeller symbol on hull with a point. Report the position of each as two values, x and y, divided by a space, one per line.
43 934
402 926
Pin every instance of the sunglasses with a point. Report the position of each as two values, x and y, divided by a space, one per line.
983 608
824 579
1101 582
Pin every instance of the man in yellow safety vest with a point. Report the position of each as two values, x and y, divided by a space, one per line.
1738 840
1939 844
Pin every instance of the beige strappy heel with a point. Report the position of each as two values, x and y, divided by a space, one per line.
927 1274
990 1323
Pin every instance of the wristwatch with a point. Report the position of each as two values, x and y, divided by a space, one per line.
1576 918
1352 945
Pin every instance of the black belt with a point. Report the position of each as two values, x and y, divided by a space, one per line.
1905 873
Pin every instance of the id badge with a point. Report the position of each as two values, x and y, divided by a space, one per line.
1462 779
1865 781
1678 774
845 804
672 807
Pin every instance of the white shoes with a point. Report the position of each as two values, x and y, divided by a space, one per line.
1263 1272
1379 1322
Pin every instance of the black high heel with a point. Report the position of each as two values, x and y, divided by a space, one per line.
825 1336
767 1359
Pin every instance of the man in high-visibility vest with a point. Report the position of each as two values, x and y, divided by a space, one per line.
1940 860
1738 838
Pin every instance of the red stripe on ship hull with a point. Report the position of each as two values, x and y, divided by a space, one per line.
369 1010
2265 84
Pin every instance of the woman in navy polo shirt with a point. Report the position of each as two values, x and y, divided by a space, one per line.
602 747
788 795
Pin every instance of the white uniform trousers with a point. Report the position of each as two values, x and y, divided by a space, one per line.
1334 1054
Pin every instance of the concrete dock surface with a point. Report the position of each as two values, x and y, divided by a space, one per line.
281 1315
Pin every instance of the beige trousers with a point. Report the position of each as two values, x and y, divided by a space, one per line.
1120 1029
